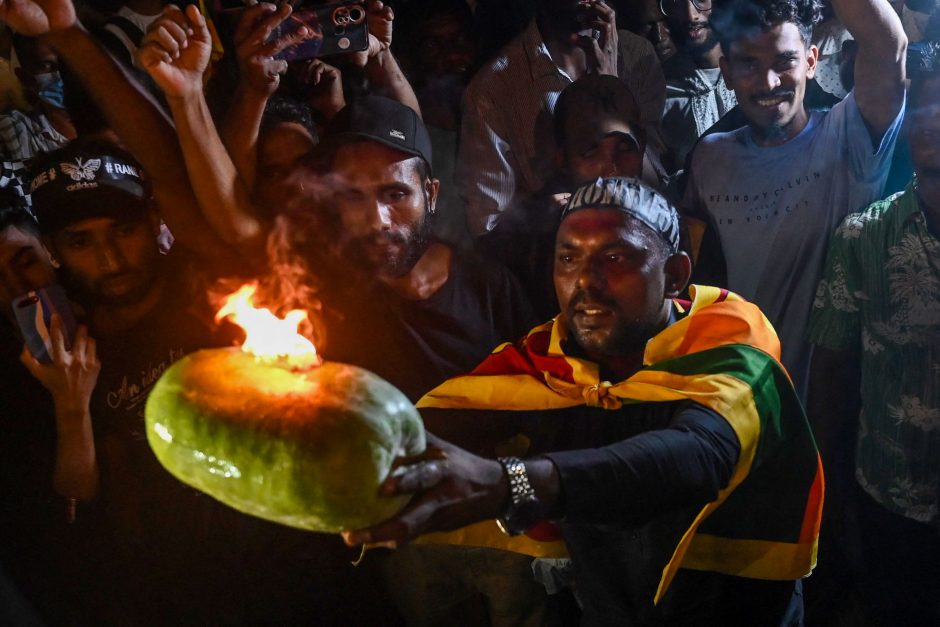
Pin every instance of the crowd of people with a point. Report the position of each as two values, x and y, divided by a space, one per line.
663 279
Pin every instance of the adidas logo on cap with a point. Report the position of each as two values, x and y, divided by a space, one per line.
397 135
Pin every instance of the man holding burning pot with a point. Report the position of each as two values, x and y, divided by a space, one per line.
679 465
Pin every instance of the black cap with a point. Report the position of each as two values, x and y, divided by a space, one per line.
383 120
632 197
87 180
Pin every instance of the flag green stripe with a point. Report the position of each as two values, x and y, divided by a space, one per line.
784 473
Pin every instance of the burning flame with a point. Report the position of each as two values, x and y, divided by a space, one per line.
268 337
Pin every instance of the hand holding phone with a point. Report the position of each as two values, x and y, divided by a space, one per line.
34 312
70 375
329 29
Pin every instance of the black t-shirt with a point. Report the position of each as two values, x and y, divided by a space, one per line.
158 532
418 344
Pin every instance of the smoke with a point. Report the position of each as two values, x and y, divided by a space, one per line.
301 251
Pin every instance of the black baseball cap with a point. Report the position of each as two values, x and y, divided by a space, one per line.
382 120
593 107
632 197
87 180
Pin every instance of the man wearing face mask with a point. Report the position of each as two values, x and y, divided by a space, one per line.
24 134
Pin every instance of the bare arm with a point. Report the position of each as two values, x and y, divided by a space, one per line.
176 60
259 75
880 64
240 128
378 62
147 133
385 75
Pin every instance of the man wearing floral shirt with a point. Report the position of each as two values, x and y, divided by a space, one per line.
876 380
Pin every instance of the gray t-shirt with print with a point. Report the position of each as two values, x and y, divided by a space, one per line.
774 209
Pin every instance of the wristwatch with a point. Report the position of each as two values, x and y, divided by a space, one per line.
525 509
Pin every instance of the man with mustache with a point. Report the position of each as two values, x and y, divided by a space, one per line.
696 94
433 309
773 191
874 383
97 218
624 453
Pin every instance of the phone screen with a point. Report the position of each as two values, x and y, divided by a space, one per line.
33 312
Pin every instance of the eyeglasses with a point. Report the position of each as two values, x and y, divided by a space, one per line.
669 7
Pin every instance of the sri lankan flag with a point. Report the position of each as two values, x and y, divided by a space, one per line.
724 355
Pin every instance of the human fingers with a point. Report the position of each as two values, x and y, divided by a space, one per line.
32 364
266 24
604 12
321 72
380 10
160 36
417 478
313 72
250 16
197 22
272 48
151 53
404 526
91 354
174 13
57 348
80 343
276 66
180 33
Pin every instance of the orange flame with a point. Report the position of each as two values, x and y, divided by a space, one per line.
267 336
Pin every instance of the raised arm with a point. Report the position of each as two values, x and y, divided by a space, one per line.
129 110
175 52
378 62
879 66
259 75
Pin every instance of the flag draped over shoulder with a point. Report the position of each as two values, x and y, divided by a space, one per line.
723 355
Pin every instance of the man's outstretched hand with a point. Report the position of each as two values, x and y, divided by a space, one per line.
451 488
37 17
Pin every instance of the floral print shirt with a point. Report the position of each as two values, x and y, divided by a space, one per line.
881 293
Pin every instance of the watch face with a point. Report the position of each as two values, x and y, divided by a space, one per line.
523 516
527 514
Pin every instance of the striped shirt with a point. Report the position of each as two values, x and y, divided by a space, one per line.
23 136
507 141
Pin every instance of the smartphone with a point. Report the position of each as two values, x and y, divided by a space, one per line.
335 28
33 312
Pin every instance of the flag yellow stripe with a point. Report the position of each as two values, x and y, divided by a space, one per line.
487 534
757 559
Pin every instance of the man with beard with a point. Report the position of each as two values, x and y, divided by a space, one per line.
402 304
696 94
774 190
647 395
420 310
506 139
646 18
874 395
97 219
